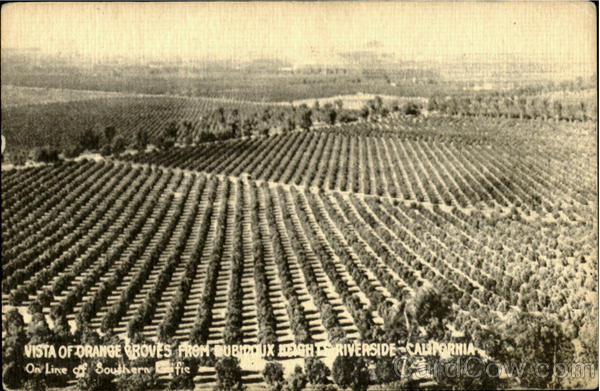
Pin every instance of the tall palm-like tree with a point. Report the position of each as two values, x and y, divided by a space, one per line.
478 105
558 110
522 107
508 105
582 109
453 106
496 105
546 108
533 108
466 106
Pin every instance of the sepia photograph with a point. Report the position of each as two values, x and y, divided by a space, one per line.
288 196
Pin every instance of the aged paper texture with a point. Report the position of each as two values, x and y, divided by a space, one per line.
287 196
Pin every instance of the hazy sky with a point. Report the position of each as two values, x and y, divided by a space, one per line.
561 31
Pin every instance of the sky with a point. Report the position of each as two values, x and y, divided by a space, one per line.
547 31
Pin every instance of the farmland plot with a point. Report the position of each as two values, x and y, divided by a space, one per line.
21 96
58 122
435 171
185 254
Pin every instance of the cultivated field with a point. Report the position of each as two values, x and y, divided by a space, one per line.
308 236
411 161
22 96
56 124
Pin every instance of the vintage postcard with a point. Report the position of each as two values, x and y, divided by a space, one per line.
299 195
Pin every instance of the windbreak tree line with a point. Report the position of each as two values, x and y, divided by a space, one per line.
223 124
513 106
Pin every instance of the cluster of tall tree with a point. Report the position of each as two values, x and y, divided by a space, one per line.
107 142
222 124
375 109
